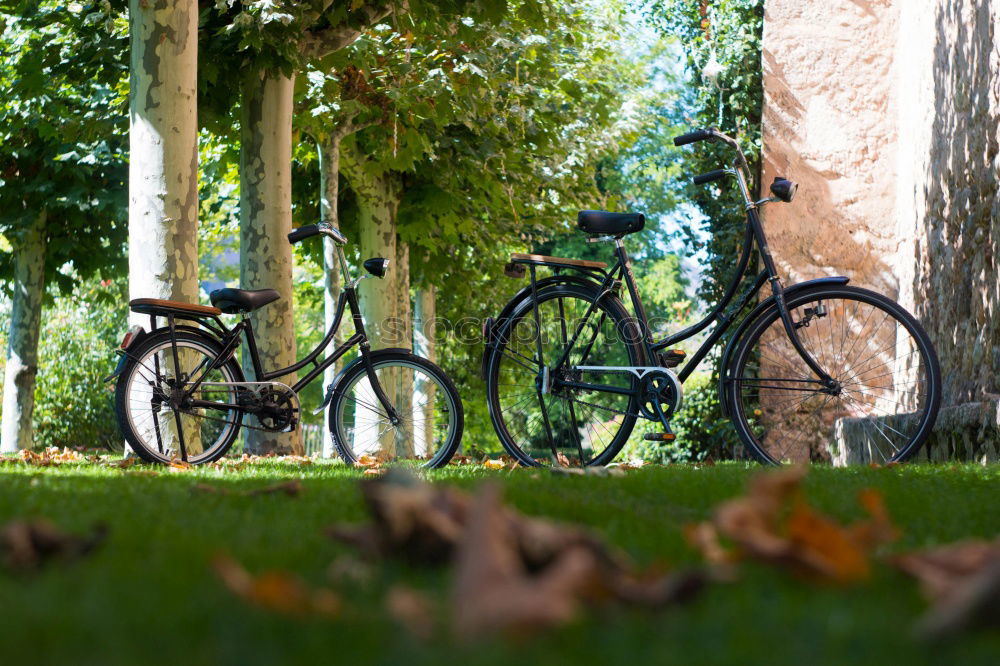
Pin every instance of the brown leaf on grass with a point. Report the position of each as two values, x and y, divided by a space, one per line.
411 519
492 591
178 465
277 591
513 571
412 609
561 459
50 456
962 581
28 545
124 463
368 461
494 464
774 524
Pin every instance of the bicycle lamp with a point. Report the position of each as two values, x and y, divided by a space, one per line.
783 189
377 266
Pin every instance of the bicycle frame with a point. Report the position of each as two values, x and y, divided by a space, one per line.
622 270
230 339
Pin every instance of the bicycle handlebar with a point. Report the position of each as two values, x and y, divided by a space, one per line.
692 137
710 176
303 233
310 230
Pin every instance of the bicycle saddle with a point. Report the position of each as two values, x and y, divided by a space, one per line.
235 301
612 224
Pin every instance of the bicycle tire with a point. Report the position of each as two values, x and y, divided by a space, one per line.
841 417
381 359
623 324
230 370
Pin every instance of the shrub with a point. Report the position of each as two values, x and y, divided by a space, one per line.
73 407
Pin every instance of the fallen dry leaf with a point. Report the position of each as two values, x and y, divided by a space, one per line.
412 609
774 524
277 591
368 461
529 570
494 464
561 459
178 465
30 544
124 463
492 591
50 456
962 581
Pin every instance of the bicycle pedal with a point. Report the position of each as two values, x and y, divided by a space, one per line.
659 437
673 358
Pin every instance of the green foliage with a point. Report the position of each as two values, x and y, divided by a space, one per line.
63 136
728 35
73 407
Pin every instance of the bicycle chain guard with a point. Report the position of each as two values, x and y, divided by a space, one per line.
275 405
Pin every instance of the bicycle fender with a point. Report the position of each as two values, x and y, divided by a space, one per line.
332 389
123 354
756 313
122 362
516 300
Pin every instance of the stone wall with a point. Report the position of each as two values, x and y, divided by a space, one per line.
887 112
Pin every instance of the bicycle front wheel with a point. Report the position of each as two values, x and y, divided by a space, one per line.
887 382
430 418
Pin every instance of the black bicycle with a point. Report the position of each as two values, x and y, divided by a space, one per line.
181 392
817 371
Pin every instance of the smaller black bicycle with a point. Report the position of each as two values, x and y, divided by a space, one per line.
181 393
817 371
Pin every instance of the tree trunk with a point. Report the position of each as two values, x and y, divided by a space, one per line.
163 156
378 199
22 341
403 337
328 149
265 221
424 392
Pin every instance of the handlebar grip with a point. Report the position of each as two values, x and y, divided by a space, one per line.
303 233
709 177
691 137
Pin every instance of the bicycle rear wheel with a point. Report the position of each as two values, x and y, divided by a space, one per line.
143 406
561 424
888 384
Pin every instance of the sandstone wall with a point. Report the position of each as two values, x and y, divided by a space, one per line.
888 114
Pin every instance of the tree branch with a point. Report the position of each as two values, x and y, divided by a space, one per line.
318 43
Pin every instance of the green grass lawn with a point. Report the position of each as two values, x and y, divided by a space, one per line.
149 596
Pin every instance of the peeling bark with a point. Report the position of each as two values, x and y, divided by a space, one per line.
378 199
22 341
163 155
329 178
404 333
424 330
265 221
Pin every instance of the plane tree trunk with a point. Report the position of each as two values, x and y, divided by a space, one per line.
163 157
265 221
22 340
